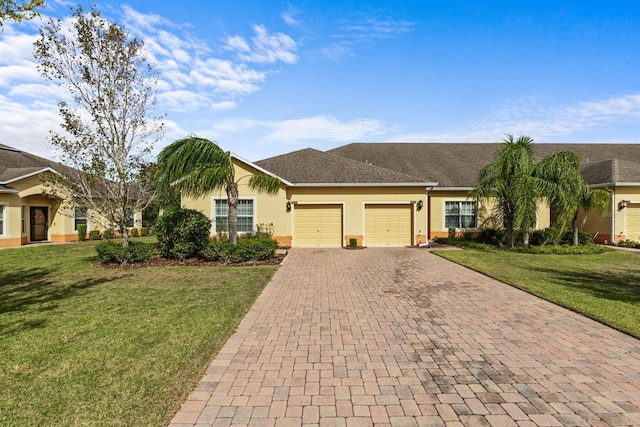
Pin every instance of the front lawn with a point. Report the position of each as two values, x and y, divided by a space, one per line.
605 287
88 346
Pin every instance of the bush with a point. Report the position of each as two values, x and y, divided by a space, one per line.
134 232
94 235
144 231
82 232
243 251
112 253
584 238
108 234
491 236
548 236
628 243
182 233
468 235
353 242
452 232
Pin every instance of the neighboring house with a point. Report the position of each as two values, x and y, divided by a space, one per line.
25 214
401 194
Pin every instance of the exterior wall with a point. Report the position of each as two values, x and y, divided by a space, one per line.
12 233
437 201
268 209
354 199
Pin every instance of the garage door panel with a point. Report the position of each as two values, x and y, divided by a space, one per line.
318 225
388 225
633 221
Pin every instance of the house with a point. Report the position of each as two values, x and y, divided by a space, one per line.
26 215
401 194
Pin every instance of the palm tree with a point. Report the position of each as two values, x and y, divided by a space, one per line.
196 166
566 190
509 182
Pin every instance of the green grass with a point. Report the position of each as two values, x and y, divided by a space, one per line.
605 287
81 345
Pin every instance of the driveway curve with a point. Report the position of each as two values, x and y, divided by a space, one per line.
401 337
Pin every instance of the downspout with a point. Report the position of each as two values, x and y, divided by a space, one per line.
426 212
613 216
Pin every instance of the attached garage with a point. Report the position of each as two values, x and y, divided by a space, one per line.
388 225
317 225
633 221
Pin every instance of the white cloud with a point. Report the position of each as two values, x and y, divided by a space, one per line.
27 126
264 47
364 32
290 17
323 128
539 120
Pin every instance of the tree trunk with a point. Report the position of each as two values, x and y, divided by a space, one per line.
525 237
574 224
124 235
232 199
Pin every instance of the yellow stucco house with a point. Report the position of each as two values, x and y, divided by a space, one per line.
401 194
26 216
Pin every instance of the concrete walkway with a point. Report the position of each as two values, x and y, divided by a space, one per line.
401 337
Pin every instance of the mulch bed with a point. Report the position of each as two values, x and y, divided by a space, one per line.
192 262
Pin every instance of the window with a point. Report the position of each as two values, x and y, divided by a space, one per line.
80 217
130 218
460 214
245 216
1 220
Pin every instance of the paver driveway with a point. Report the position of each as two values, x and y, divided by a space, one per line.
401 337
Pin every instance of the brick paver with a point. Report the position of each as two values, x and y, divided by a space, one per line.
401 337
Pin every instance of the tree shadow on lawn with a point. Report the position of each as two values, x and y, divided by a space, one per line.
37 290
616 286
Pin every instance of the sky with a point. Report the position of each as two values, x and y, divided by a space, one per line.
264 78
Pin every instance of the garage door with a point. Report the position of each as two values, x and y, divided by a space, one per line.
387 225
633 221
317 225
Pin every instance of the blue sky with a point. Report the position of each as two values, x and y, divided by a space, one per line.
264 78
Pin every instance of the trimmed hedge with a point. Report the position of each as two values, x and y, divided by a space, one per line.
114 253
82 232
94 235
243 251
182 233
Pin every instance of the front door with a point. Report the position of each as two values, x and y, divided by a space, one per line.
39 223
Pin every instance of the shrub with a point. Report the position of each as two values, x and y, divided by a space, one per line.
548 236
144 231
134 232
111 253
491 236
182 233
452 232
584 238
243 251
353 242
107 234
82 232
94 235
468 235
627 243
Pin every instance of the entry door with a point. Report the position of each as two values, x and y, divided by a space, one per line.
39 223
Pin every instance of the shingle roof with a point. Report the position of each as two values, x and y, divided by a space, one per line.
612 171
310 166
458 164
15 164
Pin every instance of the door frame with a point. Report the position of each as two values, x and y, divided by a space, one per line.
32 223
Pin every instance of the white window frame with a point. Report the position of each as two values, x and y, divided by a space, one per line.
214 223
85 217
458 200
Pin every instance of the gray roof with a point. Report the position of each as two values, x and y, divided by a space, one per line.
310 166
15 164
458 164
612 171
